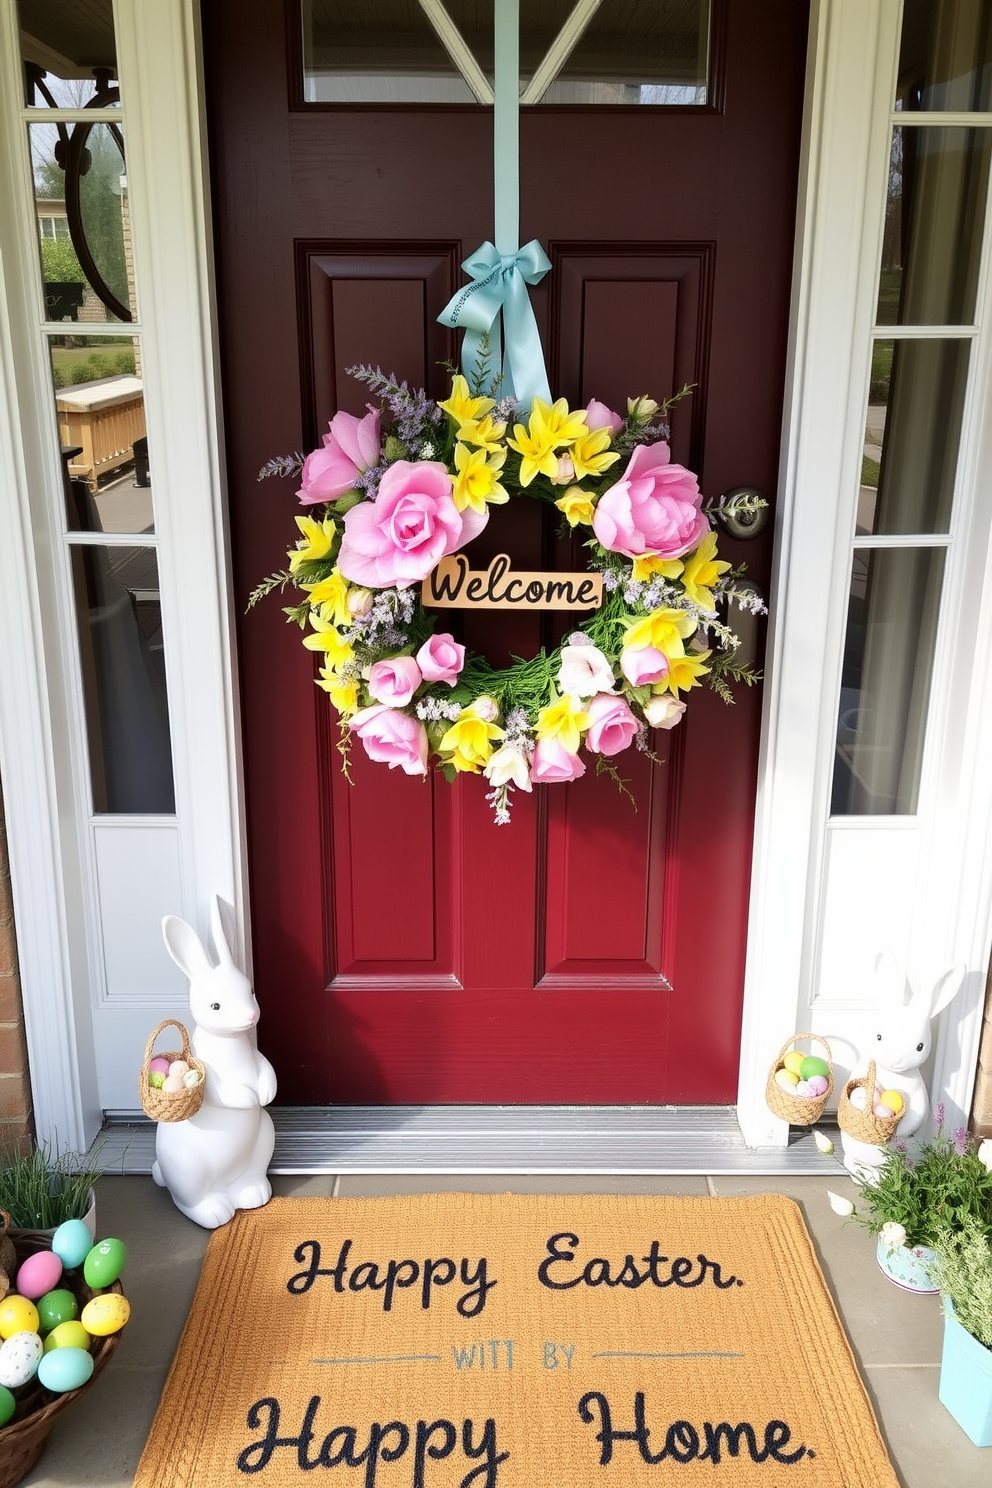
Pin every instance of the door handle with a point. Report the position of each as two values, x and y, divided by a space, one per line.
742 512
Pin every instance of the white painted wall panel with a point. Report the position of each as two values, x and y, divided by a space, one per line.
137 968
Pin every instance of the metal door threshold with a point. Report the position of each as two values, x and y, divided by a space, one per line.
648 1140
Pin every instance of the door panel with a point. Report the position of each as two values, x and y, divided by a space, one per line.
406 949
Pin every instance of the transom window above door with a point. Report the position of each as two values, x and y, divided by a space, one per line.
572 52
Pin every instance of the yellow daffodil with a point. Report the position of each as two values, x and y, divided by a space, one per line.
326 638
486 433
330 596
684 672
562 426
476 481
564 720
646 565
342 691
701 572
591 454
315 543
665 630
577 505
461 406
467 745
537 455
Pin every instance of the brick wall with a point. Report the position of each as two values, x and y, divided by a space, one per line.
15 1091
981 1108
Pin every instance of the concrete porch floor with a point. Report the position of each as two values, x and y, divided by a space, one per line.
896 1337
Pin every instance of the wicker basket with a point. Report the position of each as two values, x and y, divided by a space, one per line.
23 1439
177 1105
864 1125
798 1110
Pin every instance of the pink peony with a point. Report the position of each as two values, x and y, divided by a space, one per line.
599 416
413 523
644 665
612 725
394 682
441 658
351 447
392 738
553 764
653 508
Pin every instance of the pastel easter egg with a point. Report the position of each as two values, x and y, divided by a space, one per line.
803 1089
17 1315
881 1111
19 1358
172 1084
814 1065
72 1243
39 1274
8 1405
787 1080
794 1061
178 1067
104 1263
57 1307
819 1084
156 1079
68 1335
858 1098
893 1100
106 1314
191 1078
159 1065
65 1369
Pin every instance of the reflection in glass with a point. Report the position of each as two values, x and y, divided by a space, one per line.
912 433
945 57
84 228
632 52
99 403
64 48
934 215
885 685
120 641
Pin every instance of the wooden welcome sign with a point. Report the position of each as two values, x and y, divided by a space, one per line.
453 585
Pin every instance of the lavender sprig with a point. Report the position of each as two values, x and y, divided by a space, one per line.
412 411
282 465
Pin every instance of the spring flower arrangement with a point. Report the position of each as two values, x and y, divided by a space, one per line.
388 495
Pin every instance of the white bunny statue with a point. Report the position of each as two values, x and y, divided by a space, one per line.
217 1161
900 1047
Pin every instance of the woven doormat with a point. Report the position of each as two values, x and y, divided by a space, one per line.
509 1341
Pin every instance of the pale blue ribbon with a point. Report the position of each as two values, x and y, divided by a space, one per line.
499 289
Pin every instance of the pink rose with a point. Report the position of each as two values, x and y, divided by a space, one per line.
612 725
351 448
644 665
598 416
553 764
441 658
394 682
413 523
392 738
653 508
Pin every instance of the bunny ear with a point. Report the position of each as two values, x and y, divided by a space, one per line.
889 979
944 990
184 946
222 928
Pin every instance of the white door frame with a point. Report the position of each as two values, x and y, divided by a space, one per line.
851 66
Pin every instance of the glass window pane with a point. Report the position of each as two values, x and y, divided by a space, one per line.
885 685
945 59
68 52
80 180
127 715
935 212
912 432
633 51
99 402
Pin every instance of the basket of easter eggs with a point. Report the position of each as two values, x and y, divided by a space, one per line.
800 1084
867 1112
171 1085
60 1322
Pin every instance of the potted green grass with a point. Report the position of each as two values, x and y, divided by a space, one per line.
962 1271
45 1186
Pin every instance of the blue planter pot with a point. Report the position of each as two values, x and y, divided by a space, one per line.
966 1382
908 1266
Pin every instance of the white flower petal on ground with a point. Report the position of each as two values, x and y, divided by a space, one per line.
840 1205
823 1142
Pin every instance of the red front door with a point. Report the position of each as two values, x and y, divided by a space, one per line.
406 950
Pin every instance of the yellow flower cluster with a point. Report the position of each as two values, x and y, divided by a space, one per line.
559 444
333 604
468 744
479 452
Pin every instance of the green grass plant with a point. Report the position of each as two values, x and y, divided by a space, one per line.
963 1272
46 1186
931 1195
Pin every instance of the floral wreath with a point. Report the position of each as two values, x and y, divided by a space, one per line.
394 492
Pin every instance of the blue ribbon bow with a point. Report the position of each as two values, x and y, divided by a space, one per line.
499 284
